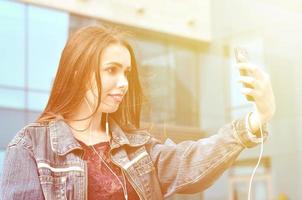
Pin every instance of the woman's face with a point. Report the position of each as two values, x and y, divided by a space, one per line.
114 67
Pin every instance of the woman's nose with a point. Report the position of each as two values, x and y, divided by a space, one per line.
122 82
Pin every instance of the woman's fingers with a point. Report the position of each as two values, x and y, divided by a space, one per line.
250 92
250 82
251 70
257 84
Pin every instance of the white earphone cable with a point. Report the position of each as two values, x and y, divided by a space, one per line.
258 163
124 186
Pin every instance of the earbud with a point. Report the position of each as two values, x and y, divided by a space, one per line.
107 123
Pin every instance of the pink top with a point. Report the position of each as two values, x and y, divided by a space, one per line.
102 184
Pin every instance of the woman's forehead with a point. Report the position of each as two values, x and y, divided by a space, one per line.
116 53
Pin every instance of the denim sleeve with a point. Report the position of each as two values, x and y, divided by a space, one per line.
193 166
20 175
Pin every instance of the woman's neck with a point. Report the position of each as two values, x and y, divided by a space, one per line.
92 124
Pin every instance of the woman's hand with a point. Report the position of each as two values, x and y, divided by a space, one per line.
261 92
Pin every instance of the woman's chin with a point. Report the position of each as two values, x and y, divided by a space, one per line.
110 108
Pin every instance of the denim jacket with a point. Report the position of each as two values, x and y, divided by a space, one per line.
44 161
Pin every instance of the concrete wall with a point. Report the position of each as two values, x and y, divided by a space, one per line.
189 19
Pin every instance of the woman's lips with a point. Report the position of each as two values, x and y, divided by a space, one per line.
116 97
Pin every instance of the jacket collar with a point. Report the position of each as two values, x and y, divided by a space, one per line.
62 139
119 137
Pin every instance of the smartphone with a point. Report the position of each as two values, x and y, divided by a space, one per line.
242 57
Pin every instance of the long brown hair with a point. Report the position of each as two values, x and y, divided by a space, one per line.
80 60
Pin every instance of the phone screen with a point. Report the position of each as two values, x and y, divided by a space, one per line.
241 55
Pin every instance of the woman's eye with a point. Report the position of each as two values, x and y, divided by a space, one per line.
111 70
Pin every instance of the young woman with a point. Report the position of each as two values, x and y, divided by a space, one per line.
87 143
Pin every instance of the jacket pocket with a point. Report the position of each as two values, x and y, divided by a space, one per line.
54 188
141 161
145 170
144 166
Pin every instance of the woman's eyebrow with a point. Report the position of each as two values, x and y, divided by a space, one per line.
117 64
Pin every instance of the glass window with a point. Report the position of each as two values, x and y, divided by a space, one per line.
157 75
32 39
186 86
12 40
37 100
12 98
47 34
